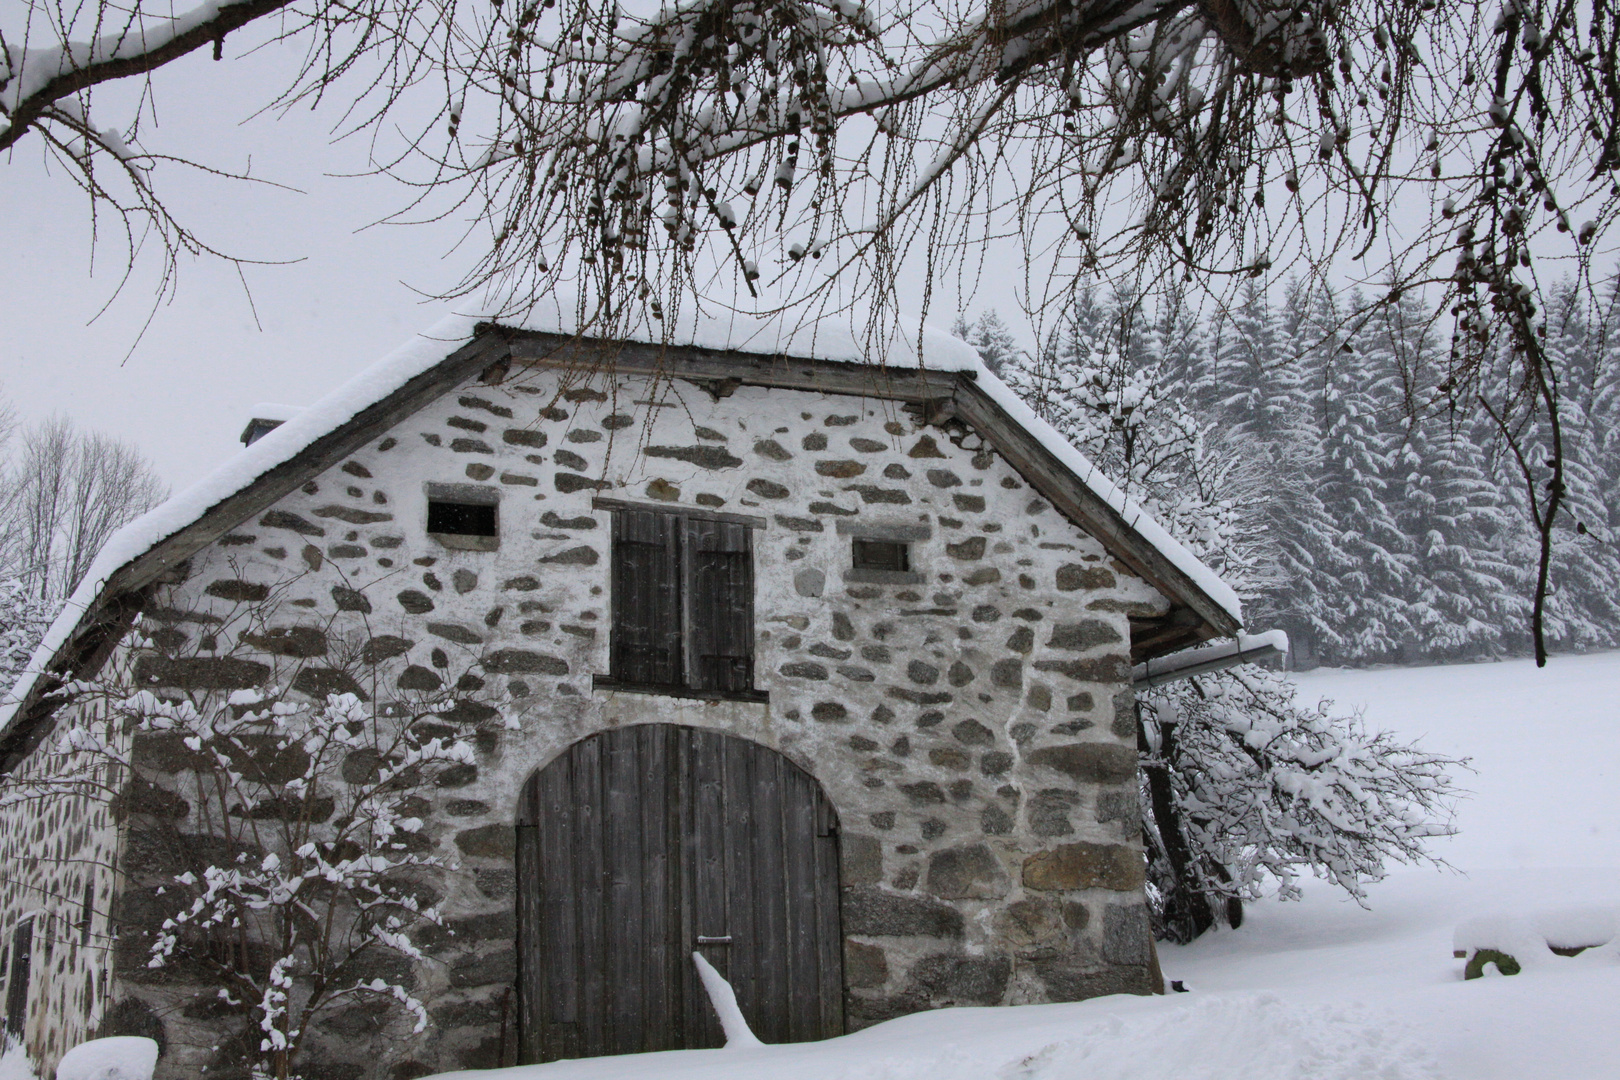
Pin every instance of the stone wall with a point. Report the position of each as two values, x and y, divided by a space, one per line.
967 722
58 851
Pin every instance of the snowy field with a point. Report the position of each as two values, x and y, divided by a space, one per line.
1320 989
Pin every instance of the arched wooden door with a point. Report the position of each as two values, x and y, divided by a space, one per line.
640 845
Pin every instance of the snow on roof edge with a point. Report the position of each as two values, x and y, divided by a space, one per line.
1205 579
238 471
819 340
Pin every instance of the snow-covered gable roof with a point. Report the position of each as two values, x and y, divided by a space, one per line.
764 351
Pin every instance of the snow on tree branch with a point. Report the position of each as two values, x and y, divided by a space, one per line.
1248 787
282 845
139 41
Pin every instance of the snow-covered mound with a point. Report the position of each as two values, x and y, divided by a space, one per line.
120 1057
1533 937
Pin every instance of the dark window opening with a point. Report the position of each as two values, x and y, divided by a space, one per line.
683 604
881 555
22 947
461 519
89 914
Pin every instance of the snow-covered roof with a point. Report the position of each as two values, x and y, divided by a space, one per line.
833 339
825 340
1243 649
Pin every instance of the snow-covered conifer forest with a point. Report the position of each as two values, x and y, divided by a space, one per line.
1296 444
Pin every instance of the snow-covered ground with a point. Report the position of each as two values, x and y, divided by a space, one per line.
1321 989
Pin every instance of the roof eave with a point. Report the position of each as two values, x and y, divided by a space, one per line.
121 596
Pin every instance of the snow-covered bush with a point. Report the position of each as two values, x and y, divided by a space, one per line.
1244 787
272 834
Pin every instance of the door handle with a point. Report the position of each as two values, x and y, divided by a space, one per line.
706 940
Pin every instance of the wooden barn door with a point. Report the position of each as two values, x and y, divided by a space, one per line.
644 844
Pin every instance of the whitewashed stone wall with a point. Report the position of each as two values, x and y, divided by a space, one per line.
971 729
58 855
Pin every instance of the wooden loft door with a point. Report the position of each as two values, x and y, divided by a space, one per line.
641 845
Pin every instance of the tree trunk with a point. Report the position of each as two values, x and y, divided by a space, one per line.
1187 911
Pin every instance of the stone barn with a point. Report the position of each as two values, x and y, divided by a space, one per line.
816 664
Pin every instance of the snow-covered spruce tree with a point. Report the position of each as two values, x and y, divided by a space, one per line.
1359 436
1242 784
1583 605
273 862
993 340
1605 408
1252 374
1101 382
1467 598
1268 403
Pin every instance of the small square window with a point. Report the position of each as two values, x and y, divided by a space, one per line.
889 555
461 519
464 516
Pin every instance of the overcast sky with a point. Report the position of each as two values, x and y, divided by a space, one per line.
183 395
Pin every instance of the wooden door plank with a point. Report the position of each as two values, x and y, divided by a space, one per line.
660 921
708 884
559 958
531 995
829 921
740 760
623 866
588 874
799 807
770 913
686 989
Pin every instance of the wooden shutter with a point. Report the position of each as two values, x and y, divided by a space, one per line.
720 606
646 637
22 948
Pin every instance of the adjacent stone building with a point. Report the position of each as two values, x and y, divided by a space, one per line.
885 597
